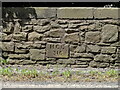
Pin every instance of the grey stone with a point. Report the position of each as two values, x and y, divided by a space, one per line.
19 56
42 29
106 13
103 58
21 48
92 37
71 30
36 54
17 27
103 65
7 46
55 33
94 64
109 33
20 36
79 66
53 40
34 36
9 28
45 12
57 50
93 48
71 38
74 12
82 55
27 28
85 59
66 61
81 62
6 37
108 50
77 49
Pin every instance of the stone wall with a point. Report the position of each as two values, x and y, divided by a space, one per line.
79 37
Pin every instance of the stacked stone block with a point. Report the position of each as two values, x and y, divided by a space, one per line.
77 37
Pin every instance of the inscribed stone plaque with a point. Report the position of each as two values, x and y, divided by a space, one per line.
57 50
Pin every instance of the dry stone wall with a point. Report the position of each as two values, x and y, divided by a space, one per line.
74 36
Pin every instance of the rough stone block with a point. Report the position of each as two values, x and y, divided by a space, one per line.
93 48
106 13
103 58
74 12
57 50
110 33
71 38
7 46
19 56
34 36
92 37
108 50
56 33
84 59
36 54
20 36
79 66
66 61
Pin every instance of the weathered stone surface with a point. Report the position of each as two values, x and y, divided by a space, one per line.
66 61
74 26
54 24
77 49
82 55
92 37
34 36
106 13
18 56
94 64
93 48
17 27
55 33
42 29
43 22
81 62
45 12
27 28
109 33
7 46
9 28
21 48
79 66
20 36
102 57
103 65
71 38
57 50
53 40
71 30
6 37
74 12
36 54
84 59
108 50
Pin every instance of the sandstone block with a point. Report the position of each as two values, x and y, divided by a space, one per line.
93 48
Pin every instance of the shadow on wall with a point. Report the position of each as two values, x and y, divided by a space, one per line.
11 13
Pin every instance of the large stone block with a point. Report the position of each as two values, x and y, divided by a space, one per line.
106 13
55 33
7 46
57 50
73 12
92 37
36 54
109 33
45 12
34 36
20 36
103 58
71 38
93 48
108 50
